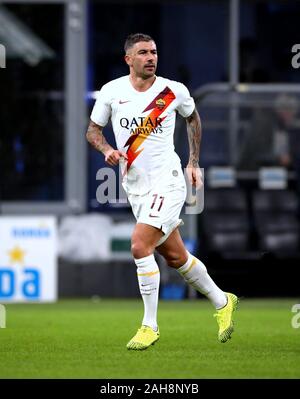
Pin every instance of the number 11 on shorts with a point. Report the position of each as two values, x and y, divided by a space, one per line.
160 202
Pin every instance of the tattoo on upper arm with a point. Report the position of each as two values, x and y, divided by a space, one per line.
96 138
194 136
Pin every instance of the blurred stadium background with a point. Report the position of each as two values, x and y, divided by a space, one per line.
236 59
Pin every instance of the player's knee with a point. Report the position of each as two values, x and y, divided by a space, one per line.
175 260
139 249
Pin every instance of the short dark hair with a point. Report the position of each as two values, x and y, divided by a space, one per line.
135 38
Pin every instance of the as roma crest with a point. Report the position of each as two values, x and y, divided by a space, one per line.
160 103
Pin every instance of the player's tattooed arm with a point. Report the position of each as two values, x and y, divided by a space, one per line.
96 138
194 132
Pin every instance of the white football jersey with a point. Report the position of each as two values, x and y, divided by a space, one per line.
143 124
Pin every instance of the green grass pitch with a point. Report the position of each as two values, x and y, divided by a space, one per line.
87 339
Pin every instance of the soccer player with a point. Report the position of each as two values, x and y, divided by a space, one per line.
142 108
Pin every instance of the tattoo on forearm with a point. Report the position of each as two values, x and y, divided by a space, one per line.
95 137
194 132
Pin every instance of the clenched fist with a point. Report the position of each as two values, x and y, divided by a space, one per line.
112 157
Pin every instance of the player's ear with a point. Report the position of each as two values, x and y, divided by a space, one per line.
127 59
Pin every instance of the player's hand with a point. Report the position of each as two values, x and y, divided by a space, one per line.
194 175
112 157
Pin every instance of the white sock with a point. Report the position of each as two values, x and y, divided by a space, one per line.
148 277
195 273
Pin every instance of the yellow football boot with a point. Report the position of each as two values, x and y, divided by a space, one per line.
144 337
224 318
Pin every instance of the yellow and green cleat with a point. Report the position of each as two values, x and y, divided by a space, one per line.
224 318
144 337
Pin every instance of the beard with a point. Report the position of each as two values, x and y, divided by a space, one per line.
149 72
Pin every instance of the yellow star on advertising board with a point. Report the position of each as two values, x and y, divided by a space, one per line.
16 255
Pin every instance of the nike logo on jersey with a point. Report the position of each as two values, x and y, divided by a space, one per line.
124 102
153 216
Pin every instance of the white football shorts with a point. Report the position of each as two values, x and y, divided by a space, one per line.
161 206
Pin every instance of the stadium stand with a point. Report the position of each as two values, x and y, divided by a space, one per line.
225 220
276 221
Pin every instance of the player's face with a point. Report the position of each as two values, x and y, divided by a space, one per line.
142 58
